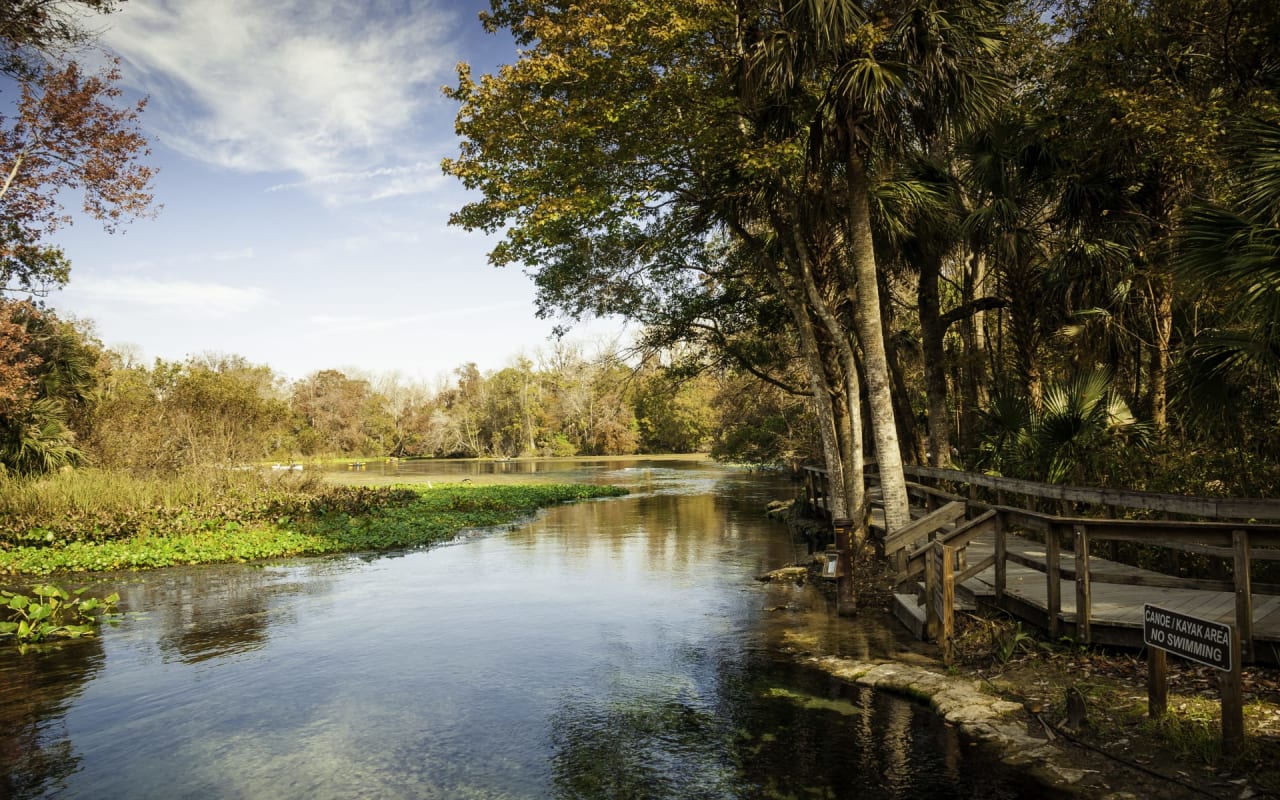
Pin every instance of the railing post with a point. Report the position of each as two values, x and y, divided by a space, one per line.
1000 565
1053 580
1244 592
932 574
1084 600
947 623
843 530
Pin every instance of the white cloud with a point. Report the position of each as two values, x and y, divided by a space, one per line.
332 92
362 324
179 298
380 183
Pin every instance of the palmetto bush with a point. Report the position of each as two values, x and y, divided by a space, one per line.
1081 429
37 440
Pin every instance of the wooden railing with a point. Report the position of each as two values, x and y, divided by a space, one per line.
1227 529
1211 508
1238 543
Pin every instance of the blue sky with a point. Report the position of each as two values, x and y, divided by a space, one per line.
304 212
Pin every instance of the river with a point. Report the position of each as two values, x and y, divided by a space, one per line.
611 649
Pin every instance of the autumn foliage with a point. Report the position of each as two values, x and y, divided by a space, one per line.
66 133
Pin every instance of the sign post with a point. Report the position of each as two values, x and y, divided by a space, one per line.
1203 641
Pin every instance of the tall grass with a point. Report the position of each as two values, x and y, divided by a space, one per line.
99 505
107 522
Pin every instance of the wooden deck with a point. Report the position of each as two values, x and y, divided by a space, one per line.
967 544
1115 604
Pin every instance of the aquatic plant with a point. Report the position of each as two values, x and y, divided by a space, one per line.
342 519
51 611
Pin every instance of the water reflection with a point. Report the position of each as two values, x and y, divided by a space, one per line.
36 751
609 649
685 474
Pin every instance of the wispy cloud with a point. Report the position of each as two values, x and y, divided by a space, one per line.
381 182
179 298
363 324
332 92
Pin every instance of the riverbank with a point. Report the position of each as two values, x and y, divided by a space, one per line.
58 530
1074 717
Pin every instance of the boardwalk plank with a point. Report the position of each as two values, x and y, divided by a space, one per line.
1114 605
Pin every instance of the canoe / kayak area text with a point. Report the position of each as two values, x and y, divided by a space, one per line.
1199 640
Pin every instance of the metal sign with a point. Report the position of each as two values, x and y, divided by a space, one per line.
1200 640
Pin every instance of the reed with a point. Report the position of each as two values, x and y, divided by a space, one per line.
97 505
104 522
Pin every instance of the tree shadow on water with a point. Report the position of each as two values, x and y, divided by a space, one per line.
36 752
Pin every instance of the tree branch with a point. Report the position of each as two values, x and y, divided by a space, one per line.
969 309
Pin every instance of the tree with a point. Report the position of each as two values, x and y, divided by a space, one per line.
212 409
674 413
1231 252
33 30
615 156
65 135
339 415
48 371
1144 90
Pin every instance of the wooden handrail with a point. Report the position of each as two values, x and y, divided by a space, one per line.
1220 508
1226 530
1226 508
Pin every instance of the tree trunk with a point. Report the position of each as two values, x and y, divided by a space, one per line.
935 366
838 505
866 299
910 438
848 422
1162 308
1024 329
972 384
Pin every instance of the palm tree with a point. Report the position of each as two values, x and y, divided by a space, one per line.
1229 376
869 76
37 440
1236 250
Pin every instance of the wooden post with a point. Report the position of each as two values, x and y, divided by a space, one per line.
1157 682
932 575
1084 600
845 605
1053 578
1232 691
1244 592
947 614
1000 566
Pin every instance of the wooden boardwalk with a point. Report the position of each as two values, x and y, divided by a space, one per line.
1115 604
1044 567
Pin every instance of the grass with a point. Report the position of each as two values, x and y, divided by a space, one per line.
1186 742
94 521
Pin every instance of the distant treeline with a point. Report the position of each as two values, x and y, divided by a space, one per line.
66 400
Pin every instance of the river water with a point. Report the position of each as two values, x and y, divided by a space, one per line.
611 649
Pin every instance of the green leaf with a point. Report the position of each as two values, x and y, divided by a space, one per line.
49 590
